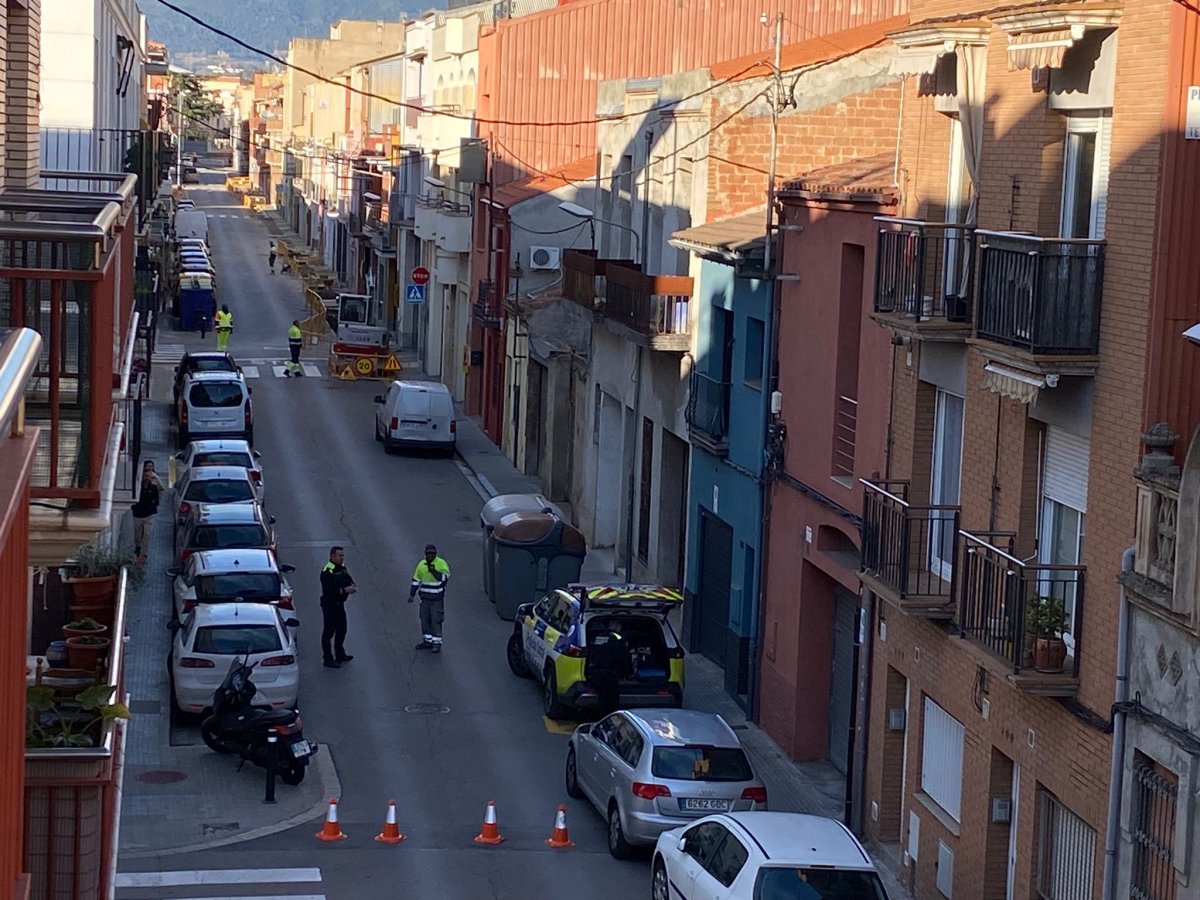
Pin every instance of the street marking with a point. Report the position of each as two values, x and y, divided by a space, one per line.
310 370
250 371
556 727
216 876
262 897
164 353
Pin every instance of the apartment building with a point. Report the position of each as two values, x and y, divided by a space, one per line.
1013 286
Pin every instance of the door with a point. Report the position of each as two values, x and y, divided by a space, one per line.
1064 516
957 203
534 415
841 680
1085 175
716 575
946 481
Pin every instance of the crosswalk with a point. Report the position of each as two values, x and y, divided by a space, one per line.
181 884
170 355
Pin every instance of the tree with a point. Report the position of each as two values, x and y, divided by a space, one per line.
199 106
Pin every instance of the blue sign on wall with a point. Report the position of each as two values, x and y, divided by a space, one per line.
415 293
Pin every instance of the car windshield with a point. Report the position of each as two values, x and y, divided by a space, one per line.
210 394
231 639
223 458
212 537
209 364
247 585
219 490
701 764
788 883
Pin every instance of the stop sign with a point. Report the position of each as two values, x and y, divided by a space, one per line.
420 275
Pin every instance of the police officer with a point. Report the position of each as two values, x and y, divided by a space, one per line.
336 588
429 580
295 342
224 327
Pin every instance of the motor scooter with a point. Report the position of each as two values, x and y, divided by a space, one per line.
239 726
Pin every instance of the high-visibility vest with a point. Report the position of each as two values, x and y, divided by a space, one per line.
225 320
431 585
294 335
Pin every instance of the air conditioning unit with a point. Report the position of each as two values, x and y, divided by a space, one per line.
542 259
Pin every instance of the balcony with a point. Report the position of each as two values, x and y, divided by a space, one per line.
1151 581
453 227
487 306
908 550
652 309
1039 300
582 274
923 273
425 217
845 437
1027 614
708 413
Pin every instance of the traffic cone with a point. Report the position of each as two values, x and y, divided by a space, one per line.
558 837
391 831
332 830
491 830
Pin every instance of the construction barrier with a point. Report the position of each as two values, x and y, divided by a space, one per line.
351 366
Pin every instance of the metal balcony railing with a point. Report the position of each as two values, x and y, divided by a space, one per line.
708 411
581 269
845 434
1039 294
910 549
923 270
487 305
652 305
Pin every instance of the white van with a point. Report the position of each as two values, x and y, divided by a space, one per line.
415 414
215 405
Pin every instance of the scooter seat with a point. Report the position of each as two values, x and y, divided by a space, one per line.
274 716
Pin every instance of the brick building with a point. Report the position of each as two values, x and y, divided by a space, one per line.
1015 291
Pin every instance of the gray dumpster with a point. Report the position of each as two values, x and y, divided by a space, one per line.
534 553
495 510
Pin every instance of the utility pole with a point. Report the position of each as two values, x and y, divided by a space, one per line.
179 143
777 101
635 463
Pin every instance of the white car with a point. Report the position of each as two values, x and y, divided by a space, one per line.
213 577
202 454
763 856
211 637
213 485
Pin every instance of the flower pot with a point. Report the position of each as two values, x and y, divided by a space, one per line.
86 652
99 587
1049 654
103 612
80 632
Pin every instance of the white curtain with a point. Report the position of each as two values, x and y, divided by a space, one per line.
972 74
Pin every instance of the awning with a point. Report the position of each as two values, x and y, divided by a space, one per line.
921 45
1040 36
916 60
1016 384
1041 49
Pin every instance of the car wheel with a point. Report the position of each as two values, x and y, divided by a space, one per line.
378 436
660 887
617 845
516 657
572 776
550 704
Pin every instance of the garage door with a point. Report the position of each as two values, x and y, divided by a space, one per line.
841 682
716 576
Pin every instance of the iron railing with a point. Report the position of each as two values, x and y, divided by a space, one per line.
581 269
487 305
845 434
909 548
1156 797
653 305
1000 596
1040 294
923 270
708 408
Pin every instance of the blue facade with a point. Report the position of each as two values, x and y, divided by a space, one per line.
724 498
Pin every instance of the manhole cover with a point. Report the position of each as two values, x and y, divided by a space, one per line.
427 709
161 776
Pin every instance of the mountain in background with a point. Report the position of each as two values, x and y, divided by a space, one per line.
267 24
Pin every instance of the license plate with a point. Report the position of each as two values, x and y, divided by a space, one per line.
703 804
301 748
411 426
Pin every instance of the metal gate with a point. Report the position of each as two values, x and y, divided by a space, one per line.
841 680
716 576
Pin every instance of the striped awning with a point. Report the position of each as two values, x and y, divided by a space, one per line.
1041 49
917 60
1013 383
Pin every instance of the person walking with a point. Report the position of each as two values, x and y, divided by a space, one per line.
271 257
144 510
336 588
429 580
224 327
295 343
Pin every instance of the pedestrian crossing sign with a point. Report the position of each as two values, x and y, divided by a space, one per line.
415 293
347 373
392 365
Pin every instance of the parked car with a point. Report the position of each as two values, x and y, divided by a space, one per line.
213 485
209 638
215 405
204 361
651 770
228 526
415 414
763 856
223 576
199 454
633 615
190 175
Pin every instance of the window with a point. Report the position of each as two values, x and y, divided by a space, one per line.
230 537
231 639
1152 830
942 758
223 458
216 394
1063 525
1085 176
247 585
946 481
753 364
1066 850
787 883
701 764
728 860
219 491
703 841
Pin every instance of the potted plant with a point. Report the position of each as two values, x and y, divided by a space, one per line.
95 569
1050 621
86 651
83 626
73 722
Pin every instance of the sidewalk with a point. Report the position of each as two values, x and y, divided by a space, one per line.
808 787
179 796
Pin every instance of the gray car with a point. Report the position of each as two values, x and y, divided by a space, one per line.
654 769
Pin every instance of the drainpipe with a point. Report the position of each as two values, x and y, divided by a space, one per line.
1120 695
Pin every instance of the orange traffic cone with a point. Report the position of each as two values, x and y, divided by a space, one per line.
332 830
558 837
491 830
391 831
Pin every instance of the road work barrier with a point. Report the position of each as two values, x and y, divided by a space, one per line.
348 364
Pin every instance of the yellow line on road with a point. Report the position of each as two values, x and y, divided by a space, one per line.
554 726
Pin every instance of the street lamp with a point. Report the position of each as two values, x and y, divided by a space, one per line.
582 212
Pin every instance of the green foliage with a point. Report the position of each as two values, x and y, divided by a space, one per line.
51 723
198 105
1047 616
86 624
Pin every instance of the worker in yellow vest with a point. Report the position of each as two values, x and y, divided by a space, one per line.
224 327
295 343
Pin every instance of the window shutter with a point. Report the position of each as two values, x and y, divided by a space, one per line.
942 759
1103 147
1065 476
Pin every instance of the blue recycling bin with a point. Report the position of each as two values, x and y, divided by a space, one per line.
196 298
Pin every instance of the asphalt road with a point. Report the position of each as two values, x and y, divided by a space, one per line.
441 735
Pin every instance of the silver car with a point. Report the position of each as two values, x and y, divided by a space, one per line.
654 769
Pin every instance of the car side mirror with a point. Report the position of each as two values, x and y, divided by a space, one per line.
379 398
292 623
270 520
683 845
249 390
287 569
257 455
179 456
177 370
173 625
174 572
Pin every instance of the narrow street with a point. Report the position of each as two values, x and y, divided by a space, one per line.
442 735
